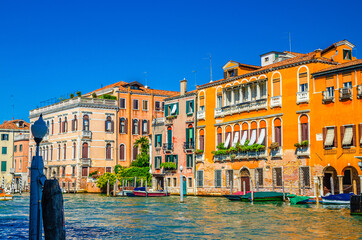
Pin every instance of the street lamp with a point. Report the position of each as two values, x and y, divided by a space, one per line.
181 185
37 179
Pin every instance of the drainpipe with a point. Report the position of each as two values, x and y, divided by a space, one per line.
195 134
117 126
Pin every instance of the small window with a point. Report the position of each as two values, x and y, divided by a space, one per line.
231 73
135 104
158 106
266 59
259 179
347 136
4 150
189 107
189 163
108 151
347 85
168 182
277 177
163 106
330 92
217 178
303 87
304 177
84 171
15 148
189 182
20 147
109 124
135 127
174 182
4 137
108 169
73 171
145 105
200 178
158 140
3 166
347 54
122 103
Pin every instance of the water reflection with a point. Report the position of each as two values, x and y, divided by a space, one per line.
98 217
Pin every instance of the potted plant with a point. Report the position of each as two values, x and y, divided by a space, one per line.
304 143
274 146
297 145
168 165
199 151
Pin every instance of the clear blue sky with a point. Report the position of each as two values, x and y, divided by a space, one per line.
51 48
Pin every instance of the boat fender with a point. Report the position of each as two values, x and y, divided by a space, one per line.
53 210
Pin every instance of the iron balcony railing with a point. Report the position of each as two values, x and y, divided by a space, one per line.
189 145
167 146
328 97
345 93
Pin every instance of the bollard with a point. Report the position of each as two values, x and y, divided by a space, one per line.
283 191
135 182
68 187
146 189
115 188
316 185
332 186
252 190
108 188
123 187
231 187
354 187
181 188
244 189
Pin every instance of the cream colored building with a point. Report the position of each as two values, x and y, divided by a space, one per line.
80 141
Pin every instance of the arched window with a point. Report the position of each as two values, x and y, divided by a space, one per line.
236 135
219 135
262 133
202 101
122 126
60 125
135 127
74 150
190 136
202 139
52 126
74 123
65 151
135 152
65 124
51 153
47 153
303 79
108 127
227 137
108 151
85 123
276 85
304 128
59 151
85 150
278 131
254 128
244 133
48 126
144 127
219 103
122 152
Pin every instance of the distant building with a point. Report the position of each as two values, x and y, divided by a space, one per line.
14 150
173 143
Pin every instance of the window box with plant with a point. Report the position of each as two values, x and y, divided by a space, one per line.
303 144
168 166
171 117
199 151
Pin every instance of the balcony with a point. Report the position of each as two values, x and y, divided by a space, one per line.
327 97
220 157
359 91
199 157
189 145
241 107
218 112
23 137
277 153
345 93
303 151
276 101
302 97
12 170
167 147
86 162
86 134
201 115
258 104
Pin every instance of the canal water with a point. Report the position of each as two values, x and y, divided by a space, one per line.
91 216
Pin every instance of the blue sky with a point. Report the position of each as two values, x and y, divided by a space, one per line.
51 48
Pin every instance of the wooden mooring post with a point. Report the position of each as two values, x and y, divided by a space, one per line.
316 185
332 185
123 187
354 187
115 186
252 190
68 187
135 182
146 189
108 188
244 187
283 191
141 182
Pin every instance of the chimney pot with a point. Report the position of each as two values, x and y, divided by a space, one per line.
183 86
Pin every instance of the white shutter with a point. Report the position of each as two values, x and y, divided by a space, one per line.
173 111
329 137
348 135
243 139
236 139
253 137
226 145
261 136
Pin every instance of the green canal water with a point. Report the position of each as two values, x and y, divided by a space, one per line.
91 216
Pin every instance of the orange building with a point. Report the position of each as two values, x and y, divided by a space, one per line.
21 160
268 121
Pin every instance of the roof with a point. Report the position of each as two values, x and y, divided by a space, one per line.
14 124
338 44
339 67
243 65
299 58
123 87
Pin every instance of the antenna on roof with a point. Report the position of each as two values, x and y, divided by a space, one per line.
210 69
290 43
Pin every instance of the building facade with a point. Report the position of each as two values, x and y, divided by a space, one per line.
80 141
21 161
260 127
10 132
173 143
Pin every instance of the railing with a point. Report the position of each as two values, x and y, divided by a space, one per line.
167 146
218 112
276 153
220 157
189 145
199 157
303 151
258 104
327 97
201 114
242 107
22 137
86 134
72 101
359 91
276 101
302 97
345 93
86 162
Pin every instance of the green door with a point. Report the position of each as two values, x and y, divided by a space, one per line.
184 186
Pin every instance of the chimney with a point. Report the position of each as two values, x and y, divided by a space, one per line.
318 53
183 86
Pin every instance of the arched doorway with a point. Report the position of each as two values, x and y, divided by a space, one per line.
329 178
244 177
350 174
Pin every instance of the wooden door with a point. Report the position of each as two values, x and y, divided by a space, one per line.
247 183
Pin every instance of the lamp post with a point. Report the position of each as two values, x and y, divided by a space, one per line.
37 179
181 185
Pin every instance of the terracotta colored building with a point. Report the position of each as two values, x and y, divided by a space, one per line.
268 121
173 141
13 134
137 106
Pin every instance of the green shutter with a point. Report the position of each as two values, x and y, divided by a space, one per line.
177 110
3 166
191 134
175 159
187 135
4 150
191 160
169 137
166 110
155 162
192 106
156 137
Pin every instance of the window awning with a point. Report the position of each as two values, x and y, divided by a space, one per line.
226 144
243 139
329 137
253 137
348 135
236 139
261 138
173 110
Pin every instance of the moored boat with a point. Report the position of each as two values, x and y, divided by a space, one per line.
143 193
235 196
340 199
263 196
4 196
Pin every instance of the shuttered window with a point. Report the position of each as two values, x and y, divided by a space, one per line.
85 150
84 172
277 177
189 162
135 152
329 81
122 103
158 140
157 106
303 78
259 178
122 152
108 151
276 87
347 136
145 105
305 131
4 150
218 178
329 138
135 104
347 77
3 166
304 175
158 160
200 178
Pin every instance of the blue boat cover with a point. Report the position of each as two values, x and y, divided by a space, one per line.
339 197
139 189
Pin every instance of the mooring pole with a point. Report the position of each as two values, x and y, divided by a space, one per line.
108 188
146 189
332 185
354 187
122 187
244 189
316 186
181 185
283 191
